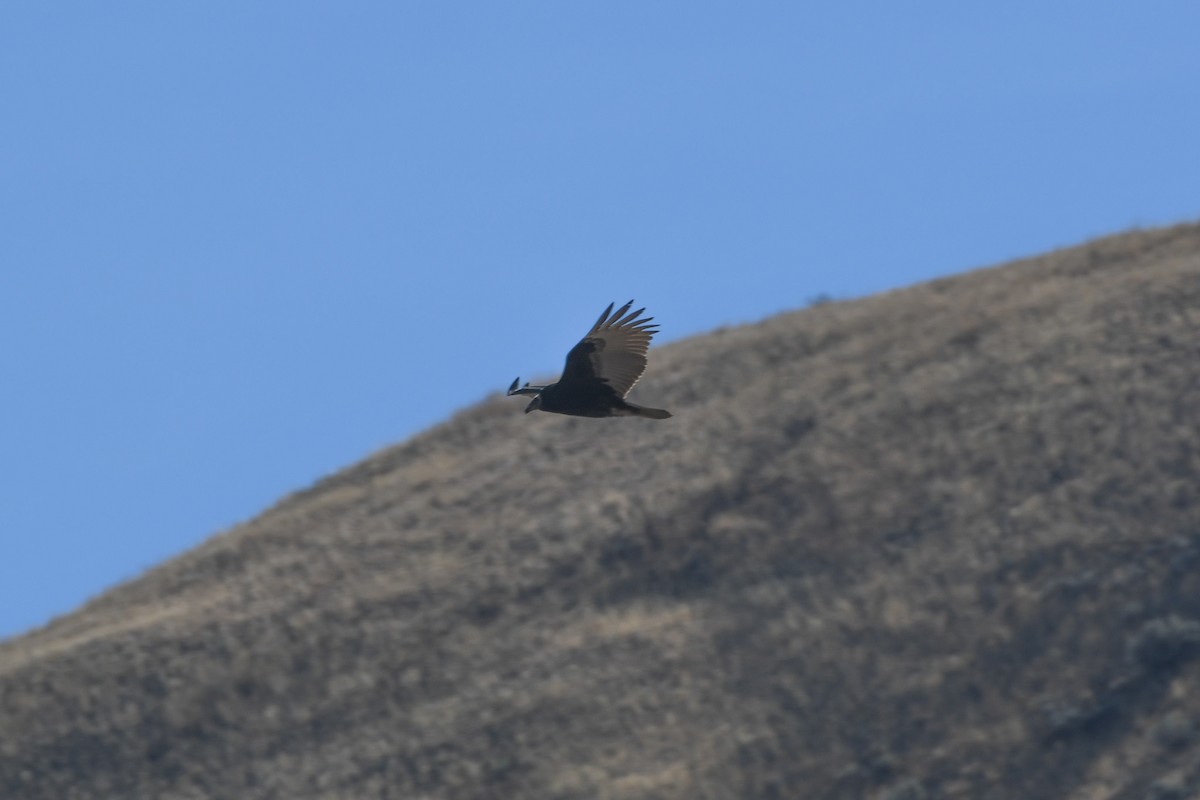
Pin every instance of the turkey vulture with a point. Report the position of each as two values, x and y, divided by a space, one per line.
600 370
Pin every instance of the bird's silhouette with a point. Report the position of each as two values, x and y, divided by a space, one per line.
600 370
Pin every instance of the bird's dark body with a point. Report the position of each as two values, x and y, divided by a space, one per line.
595 400
600 371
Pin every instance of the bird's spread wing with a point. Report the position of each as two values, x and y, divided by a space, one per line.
614 350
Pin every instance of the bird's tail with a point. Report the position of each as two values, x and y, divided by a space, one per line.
648 413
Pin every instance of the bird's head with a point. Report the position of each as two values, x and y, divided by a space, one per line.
536 391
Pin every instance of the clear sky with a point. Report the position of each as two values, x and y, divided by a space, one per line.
247 244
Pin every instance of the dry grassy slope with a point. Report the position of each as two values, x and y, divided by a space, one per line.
942 542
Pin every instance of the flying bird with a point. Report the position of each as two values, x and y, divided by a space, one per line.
600 370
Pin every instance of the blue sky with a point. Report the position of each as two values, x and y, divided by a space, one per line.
247 244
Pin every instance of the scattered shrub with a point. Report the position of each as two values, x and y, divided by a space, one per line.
1164 642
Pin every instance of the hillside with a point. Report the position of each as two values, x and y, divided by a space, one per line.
940 542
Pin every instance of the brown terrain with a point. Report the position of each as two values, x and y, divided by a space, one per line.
942 542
